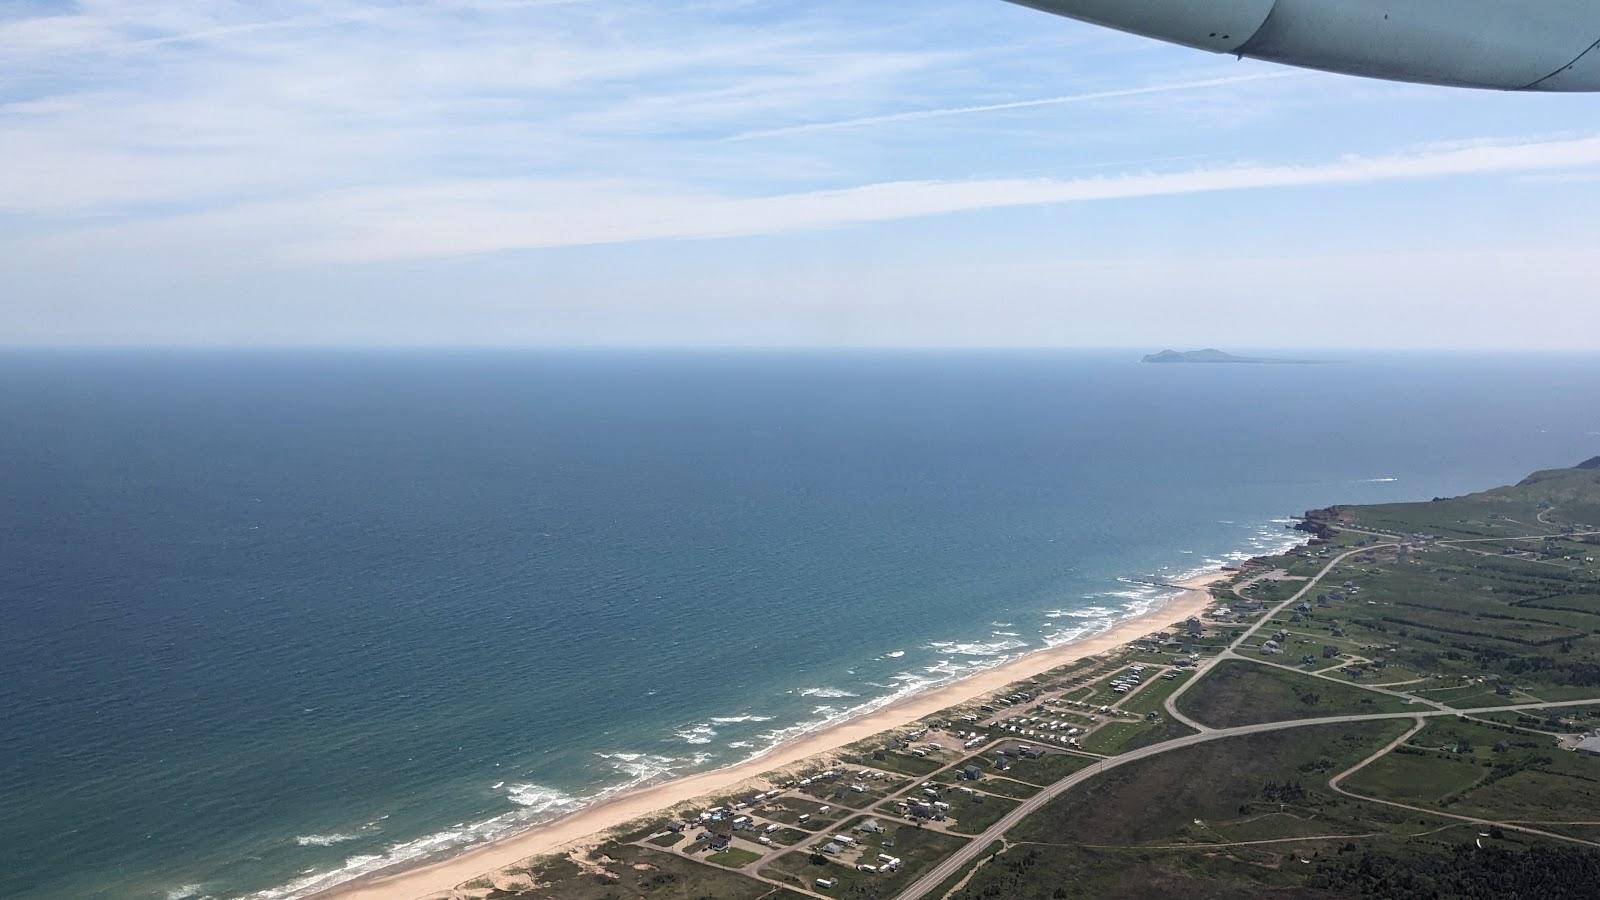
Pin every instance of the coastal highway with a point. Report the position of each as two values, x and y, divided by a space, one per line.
1336 781
973 848
1205 668
978 844
1231 652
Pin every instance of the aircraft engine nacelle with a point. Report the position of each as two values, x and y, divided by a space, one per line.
1519 45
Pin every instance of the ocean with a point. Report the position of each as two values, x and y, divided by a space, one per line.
273 619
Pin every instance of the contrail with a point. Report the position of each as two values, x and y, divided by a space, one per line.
1015 104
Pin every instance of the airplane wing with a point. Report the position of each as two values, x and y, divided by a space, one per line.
1512 45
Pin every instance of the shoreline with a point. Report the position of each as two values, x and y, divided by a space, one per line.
442 876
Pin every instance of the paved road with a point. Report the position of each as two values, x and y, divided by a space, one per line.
1206 734
1204 668
1231 652
973 848
1335 783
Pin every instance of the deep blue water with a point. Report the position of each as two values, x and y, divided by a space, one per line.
266 615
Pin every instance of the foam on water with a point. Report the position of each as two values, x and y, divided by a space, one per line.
828 693
977 648
702 733
325 840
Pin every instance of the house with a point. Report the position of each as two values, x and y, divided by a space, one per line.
1192 625
871 826
1590 744
721 842
1330 652
1271 648
971 773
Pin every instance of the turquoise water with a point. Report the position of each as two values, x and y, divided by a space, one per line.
269 620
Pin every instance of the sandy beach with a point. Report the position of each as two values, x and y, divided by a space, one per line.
440 877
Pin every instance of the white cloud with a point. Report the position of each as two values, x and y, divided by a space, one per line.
199 151
925 114
479 217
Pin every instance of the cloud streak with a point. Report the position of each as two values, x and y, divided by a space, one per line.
925 114
466 218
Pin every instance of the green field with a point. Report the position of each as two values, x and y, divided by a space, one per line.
918 848
1159 799
991 783
1240 692
972 815
1048 769
1119 737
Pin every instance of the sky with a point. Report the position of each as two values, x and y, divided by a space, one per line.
759 173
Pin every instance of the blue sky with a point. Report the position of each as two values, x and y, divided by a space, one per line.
944 172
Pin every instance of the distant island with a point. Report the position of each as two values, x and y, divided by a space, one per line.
1218 356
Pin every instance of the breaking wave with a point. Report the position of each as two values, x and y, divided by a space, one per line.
325 840
828 693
